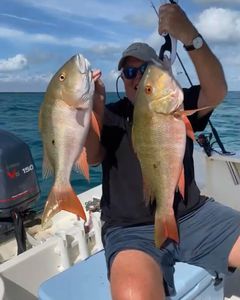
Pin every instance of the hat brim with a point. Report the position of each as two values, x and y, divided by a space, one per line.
138 56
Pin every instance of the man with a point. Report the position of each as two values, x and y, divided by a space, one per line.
209 232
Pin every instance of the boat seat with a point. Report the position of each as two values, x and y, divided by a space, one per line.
87 280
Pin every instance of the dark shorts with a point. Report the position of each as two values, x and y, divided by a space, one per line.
207 236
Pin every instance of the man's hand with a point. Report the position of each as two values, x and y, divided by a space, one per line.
95 151
173 20
99 97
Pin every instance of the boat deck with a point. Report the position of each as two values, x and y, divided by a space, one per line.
64 236
232 286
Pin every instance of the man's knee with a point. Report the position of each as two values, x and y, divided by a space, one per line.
135 289
136 275
234 256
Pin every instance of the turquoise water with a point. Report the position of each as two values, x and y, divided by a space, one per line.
19 115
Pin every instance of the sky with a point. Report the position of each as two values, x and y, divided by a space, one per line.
38 37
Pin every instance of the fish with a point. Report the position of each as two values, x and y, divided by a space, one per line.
159 135
65 117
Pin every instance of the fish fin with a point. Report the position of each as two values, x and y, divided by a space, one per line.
190 112
47 168
62 199
95 125
181 183
189 129
165 227
184 114
80 116
67 102
148 194
82 164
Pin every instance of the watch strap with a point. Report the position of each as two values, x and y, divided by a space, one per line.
191 47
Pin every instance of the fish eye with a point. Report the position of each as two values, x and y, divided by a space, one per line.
148 89
62 77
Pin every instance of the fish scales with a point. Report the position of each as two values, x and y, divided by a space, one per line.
159 138
64 122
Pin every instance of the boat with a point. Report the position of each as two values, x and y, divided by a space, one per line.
55 254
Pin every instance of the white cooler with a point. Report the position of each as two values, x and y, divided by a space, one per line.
87 280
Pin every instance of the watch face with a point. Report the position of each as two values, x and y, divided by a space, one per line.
198 42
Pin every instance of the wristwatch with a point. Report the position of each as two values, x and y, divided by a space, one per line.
197 43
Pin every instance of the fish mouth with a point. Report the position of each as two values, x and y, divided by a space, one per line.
84 66
84 86
82 63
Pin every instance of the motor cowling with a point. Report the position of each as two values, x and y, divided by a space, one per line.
19 186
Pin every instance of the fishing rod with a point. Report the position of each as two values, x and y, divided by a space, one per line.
167 46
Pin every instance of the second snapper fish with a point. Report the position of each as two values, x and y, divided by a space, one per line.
64 122
159 138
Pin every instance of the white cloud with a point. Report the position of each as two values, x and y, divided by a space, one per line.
155 40
233 60
25 19
43 38
113 75
8 33
109 80
220 25
15 63
14 34
11 82
149 20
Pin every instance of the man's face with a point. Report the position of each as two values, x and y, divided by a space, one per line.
131 84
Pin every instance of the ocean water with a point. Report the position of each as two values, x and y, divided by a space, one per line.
19 115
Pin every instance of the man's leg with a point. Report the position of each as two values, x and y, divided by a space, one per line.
136 275
234 256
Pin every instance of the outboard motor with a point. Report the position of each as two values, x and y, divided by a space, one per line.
19 187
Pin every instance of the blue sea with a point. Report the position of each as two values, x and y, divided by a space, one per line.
19 115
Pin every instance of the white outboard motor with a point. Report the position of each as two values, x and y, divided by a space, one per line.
19 187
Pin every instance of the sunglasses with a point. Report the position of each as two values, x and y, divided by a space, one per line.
131 72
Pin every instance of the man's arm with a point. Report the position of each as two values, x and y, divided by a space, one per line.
173 20
211 78
95 150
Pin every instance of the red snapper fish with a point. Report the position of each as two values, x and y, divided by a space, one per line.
64 120
159 138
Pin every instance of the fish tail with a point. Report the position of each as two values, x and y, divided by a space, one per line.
63 198
165 227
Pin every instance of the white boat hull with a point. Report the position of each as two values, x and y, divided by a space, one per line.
65 243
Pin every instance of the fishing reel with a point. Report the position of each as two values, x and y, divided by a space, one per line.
205 142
